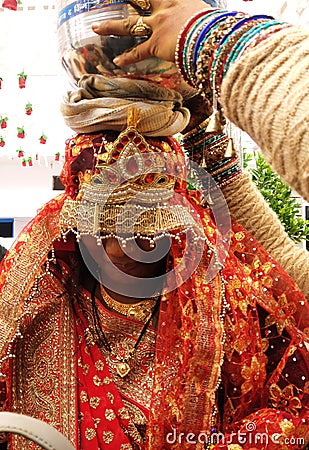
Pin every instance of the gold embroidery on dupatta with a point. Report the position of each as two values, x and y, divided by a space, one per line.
44 378
26 267
137 416
209 345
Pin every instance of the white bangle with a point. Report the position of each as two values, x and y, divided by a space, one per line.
36 430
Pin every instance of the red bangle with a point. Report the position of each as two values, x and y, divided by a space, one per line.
182 38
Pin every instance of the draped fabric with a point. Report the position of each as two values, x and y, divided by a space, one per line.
103 103
230 355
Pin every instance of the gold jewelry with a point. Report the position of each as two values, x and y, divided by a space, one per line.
140 28
129 170
122 364
139 311
143 4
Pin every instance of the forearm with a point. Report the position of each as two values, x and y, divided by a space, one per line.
246 204
266 94
257 70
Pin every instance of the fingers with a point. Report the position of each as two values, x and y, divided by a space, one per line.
136 54
116 27
124 28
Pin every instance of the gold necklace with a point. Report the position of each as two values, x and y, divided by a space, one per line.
139 311
122 365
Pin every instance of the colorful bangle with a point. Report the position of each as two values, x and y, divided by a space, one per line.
230 170
225 47
190 43
201 39
181 40
202 81
245 40
264 35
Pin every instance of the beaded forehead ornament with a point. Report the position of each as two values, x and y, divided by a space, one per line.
133 190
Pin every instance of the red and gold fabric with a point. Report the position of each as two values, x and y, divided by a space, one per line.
228 356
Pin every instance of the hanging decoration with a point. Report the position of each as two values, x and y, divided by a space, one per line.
31 85
3 122
28 109
22 77
57 156
24 162
30 161
43 139
20 132
11 4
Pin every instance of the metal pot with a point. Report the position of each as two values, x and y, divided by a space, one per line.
84 52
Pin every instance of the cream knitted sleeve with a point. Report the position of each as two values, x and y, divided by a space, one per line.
249 208
265 93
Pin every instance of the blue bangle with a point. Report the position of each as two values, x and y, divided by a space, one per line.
244 39
230 33
241 22
205 31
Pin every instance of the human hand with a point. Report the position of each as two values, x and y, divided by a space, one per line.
166 21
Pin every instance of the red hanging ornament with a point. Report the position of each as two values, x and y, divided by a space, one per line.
30 162
3 122
2 142
20 132
22 77
20 153
24 162
43 139
1 79
28 109
10 4
57 156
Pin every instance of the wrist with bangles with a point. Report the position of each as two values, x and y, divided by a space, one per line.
214 152
213 40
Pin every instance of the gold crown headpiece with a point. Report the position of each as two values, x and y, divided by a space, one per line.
131 192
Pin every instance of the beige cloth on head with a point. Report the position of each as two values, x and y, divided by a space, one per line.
102 103
266 93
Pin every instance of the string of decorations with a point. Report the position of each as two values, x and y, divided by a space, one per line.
5 124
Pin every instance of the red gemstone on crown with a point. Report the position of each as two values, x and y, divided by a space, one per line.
132 166
149 178
111 176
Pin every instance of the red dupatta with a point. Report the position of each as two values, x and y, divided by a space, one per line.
240 333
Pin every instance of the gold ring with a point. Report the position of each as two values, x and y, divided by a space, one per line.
140 28
143 4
